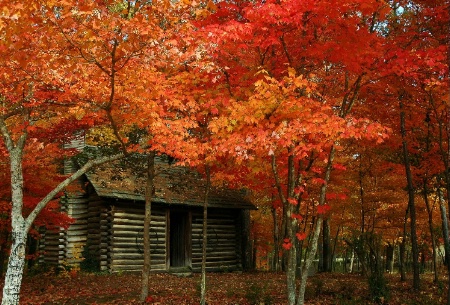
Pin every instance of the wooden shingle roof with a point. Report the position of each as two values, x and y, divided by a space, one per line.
173 185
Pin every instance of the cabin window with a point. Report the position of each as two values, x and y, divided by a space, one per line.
179 239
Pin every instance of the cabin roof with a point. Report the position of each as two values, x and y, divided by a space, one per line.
173 185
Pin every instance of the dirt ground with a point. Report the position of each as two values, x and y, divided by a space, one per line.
261 288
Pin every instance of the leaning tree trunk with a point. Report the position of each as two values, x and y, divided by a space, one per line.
20 225
149 190
205 236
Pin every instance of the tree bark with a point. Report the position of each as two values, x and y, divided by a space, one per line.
16 263
411 202
205 236
149 190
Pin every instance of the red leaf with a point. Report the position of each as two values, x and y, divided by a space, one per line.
322 209
149 299
287 243
318 181
292 201
339 166
301 235
297 216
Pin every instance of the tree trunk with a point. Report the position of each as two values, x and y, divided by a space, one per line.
352 259
445 234
276 241
16 263
389 258
149 190
205 236
315 239
19 228
333 252
411 202
19 225
326 247
308 262
402 248
430 227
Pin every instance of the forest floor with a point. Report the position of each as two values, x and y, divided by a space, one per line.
261 288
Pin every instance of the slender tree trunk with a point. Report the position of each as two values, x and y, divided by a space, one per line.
309 260
316 234
428 206
445 234
411 202
205 236
389 257
352 259
402 248
291 271
430 226
333 252
149 190
326 247
276 241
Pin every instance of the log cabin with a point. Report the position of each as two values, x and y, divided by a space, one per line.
108 214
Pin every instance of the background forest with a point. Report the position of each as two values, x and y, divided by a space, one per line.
334 114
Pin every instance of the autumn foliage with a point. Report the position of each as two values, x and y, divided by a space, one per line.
320 108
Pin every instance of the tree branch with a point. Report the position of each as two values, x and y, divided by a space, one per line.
90 164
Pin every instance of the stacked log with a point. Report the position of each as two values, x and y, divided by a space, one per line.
97 228
105 234
52 247
126 240
222 252
76 234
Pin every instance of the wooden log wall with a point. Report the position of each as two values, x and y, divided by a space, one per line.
52 247
125 241
76 234
223 250
97 230
63 247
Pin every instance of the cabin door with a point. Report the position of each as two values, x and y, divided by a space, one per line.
180 232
